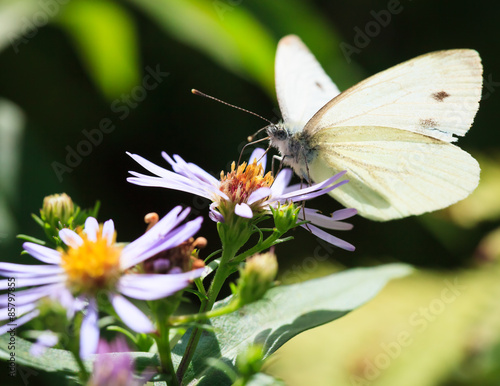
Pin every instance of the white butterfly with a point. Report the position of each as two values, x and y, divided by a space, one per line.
391 132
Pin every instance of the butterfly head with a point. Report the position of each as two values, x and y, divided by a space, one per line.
295 147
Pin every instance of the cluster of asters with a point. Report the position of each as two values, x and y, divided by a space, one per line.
90 264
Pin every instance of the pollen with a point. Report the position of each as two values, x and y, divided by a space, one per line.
241 182
93 266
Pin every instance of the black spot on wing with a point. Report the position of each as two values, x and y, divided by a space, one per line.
440 96
319 85
428 123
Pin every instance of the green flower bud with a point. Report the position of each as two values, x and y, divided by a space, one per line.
256 277
57 208
249 362
285 217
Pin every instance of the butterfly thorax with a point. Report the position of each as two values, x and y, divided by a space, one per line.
294 146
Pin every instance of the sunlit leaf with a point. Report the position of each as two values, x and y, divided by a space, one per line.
20 21
229 34
105 36
12 122
284 312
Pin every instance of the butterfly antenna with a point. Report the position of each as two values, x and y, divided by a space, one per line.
251 143
196 92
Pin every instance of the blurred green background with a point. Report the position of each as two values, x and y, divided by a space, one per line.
71 67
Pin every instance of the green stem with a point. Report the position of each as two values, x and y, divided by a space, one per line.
267 243
183 319
206 305
84 374
162 340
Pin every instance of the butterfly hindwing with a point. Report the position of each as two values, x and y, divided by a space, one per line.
393 173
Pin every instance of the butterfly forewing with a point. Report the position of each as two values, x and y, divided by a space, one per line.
435 94
302 86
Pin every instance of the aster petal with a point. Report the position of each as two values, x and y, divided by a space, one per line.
243 210
259 194
108 231
160 236
39 252
300 196
329 238
89 331
281 181
61 294
150 166
175 182
91 228
21 270
259 155
199 183
190 169
156 286
342 214
22 281
44 341
132 257
20 311
323 221
28 296
19 321
131 315
314 187
164 225
70 238
214 214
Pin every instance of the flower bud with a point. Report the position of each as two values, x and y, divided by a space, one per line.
250 361
57 208
285 217
256 277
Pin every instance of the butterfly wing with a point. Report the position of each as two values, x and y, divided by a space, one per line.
391 133
393 173
302 86
436 94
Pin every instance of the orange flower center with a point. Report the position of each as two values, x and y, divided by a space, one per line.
239 184
94 265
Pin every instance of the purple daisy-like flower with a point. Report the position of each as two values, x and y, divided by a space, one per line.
247 191
114 366
94 263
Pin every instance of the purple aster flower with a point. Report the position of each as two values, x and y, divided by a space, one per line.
114 366
94 263
246 191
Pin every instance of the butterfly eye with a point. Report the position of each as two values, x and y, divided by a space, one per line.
278 133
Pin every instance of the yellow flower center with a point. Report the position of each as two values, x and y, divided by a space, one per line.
239 184
92 266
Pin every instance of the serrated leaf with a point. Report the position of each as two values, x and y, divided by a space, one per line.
284 312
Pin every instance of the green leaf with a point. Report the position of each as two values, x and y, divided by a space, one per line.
230 35
59 361
284 312
105 36
12 124
53 361
20 21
